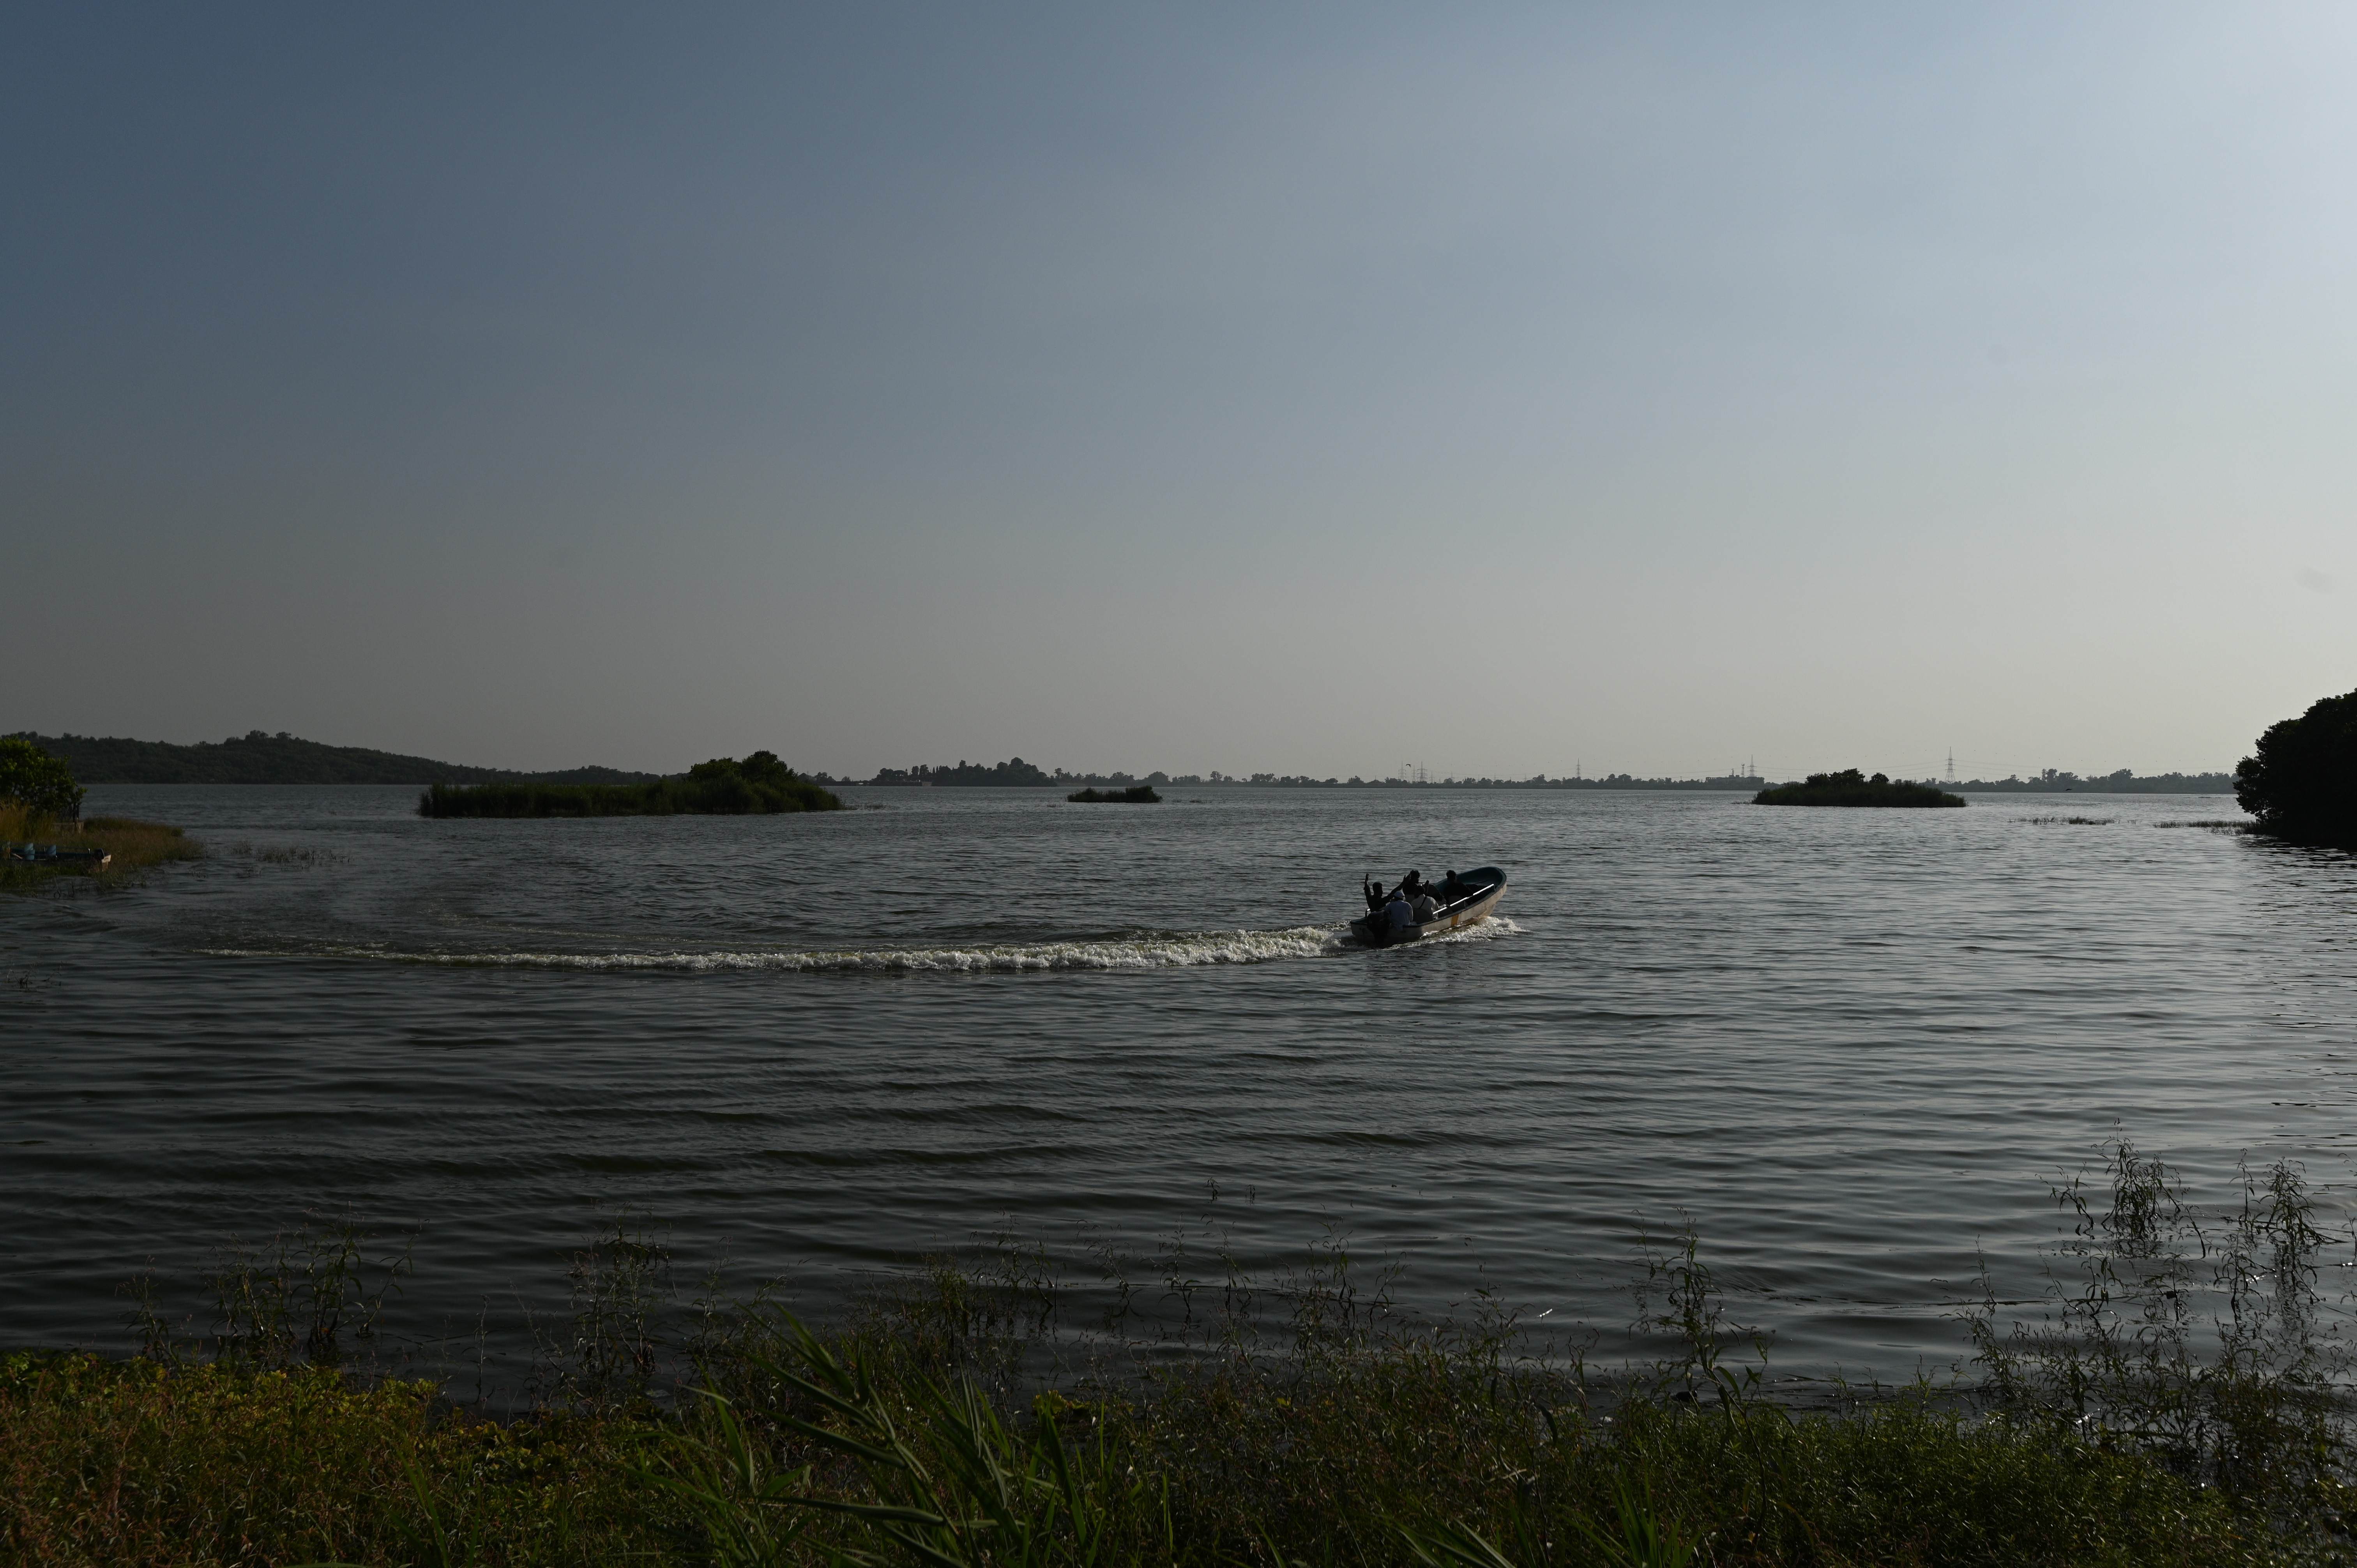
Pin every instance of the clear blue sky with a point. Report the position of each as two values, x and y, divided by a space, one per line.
1254 387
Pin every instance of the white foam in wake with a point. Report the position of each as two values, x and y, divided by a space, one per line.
1174 949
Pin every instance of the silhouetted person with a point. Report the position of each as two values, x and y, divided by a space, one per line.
1413 883
1374 892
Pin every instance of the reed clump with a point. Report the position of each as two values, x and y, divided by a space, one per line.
2200 1341
759 785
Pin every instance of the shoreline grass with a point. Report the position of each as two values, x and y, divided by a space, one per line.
133 848
860 1446
876 1446
1297 1420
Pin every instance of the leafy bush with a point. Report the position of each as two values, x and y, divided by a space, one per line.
1851 788
37 781
2301 783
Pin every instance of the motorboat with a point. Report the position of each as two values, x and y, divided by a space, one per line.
1484 889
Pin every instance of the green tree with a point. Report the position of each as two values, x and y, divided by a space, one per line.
33 779
2301 781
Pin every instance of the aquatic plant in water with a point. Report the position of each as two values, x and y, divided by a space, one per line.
2206 1347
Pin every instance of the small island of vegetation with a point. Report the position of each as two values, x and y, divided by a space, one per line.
1851 788
2301 781
1140 794
757 785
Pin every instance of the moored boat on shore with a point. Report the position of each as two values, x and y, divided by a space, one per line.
51 854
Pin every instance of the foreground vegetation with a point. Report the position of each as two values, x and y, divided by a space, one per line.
949 1422
853 1450
757 785
1851 788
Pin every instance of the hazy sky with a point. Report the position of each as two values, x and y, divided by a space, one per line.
1289 387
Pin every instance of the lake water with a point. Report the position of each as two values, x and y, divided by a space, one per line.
1849 1046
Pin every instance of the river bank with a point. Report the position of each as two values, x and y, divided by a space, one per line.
2180 1396
1379 1460
123 847
1302 1419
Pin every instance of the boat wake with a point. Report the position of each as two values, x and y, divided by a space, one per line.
1165 949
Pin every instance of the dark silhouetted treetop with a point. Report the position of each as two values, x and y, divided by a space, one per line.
1851 788
2301 783
37 781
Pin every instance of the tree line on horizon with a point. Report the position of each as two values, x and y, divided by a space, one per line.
258 758
1017 773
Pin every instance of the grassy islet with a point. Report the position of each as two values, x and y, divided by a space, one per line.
1851 788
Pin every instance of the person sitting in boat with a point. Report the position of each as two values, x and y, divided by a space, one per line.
1374 892
1423 906
1398 913
1452 889
1412 884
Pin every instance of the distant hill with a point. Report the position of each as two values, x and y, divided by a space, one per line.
258 759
